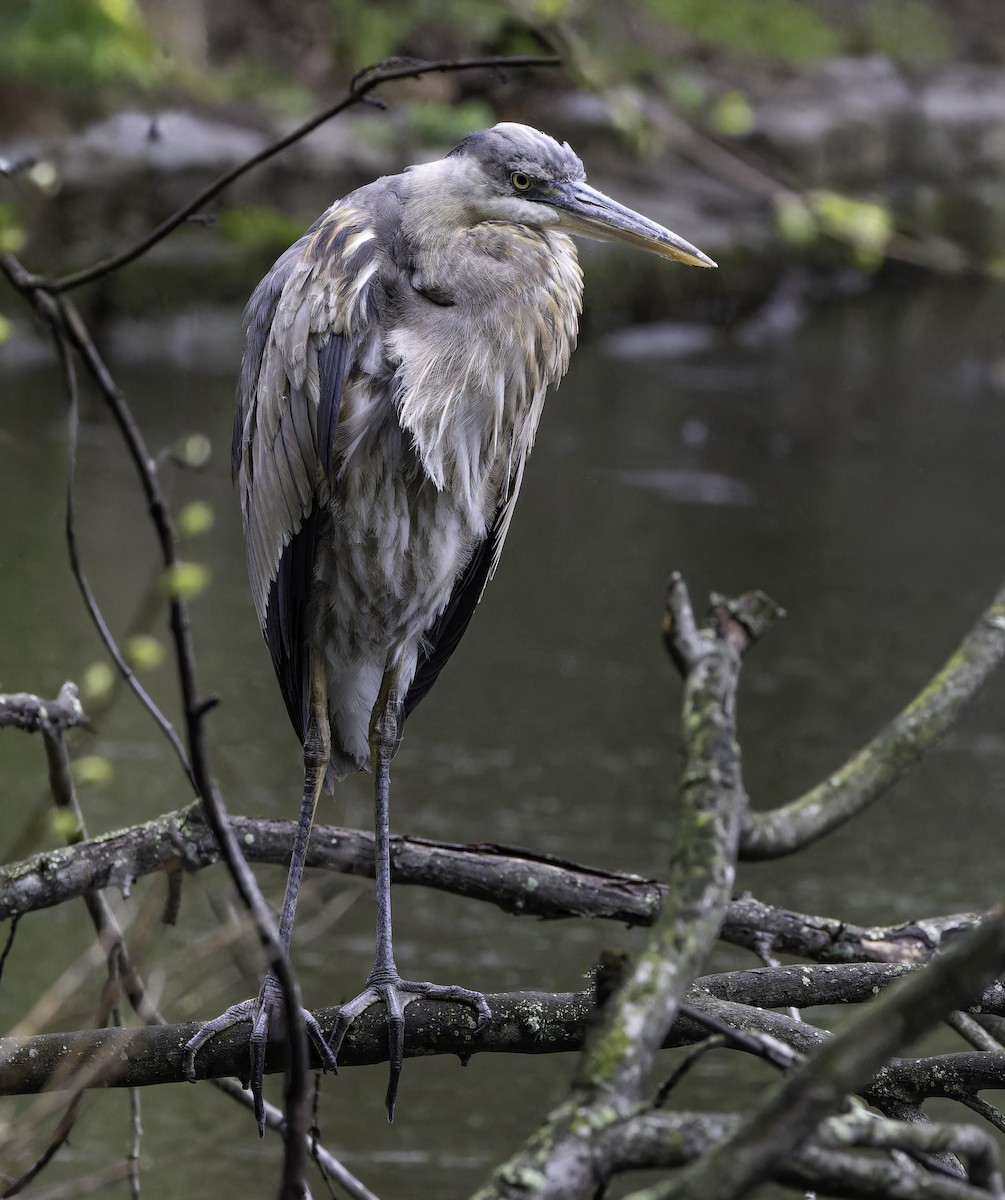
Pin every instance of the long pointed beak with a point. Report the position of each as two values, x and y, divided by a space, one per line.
591 214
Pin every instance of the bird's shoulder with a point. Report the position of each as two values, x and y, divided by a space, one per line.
327 284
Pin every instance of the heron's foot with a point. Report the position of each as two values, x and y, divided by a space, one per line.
396 994
264 1013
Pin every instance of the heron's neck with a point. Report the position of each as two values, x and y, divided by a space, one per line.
435 207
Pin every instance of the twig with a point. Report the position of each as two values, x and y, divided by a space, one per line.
361 88
69 370
690 1060
71 1189
974 1033
9 943
759 1045
56 1141
327 1163
63 315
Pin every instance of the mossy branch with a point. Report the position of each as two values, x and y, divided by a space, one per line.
877 766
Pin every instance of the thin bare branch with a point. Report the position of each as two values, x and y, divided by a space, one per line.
69 370
363 85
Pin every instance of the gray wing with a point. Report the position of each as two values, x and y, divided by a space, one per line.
304 325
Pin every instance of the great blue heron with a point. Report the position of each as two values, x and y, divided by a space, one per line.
395 368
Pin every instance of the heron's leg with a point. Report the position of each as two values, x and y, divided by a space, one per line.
269 1002
384 983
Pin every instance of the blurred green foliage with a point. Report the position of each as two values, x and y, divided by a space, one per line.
367 32
865 227
258 227
436 123
787 29
12 233
72 45
731 115
184 580
68 44
911 31
144 652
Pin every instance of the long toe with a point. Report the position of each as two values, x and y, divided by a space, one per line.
266 1016
237 1014
396 995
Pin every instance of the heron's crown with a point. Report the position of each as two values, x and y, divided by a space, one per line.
509 146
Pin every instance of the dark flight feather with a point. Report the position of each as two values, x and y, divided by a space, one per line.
441 639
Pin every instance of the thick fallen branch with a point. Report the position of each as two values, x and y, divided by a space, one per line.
522 1023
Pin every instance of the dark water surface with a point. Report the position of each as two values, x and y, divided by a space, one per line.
854 473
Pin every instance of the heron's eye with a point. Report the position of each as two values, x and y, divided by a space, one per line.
520 181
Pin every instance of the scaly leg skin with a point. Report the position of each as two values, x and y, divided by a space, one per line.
266 1011
396 994
384 983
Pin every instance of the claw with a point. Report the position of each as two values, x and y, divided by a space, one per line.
235 1015
396 995
260 1013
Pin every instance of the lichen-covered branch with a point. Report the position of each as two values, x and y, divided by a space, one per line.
522 1023
25 711
791 1110
825 1164
614 1067
877 766
516 880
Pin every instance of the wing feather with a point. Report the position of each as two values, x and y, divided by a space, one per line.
304 325
442 638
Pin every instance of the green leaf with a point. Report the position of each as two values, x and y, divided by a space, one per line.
193 450
795 220
97 681
185 580
93 769
732 115
195 518
865 225
144 652
64 823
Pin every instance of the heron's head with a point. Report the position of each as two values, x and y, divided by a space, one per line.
514 173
